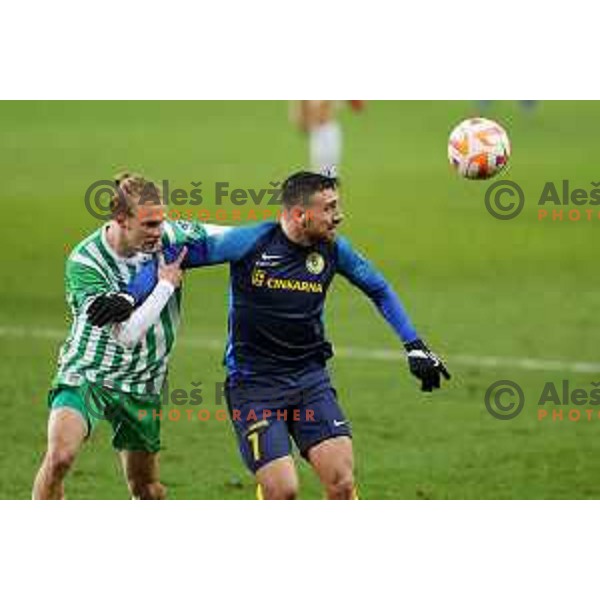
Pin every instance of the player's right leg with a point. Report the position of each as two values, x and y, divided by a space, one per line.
324 438
263 438
278 480
265 448
67 429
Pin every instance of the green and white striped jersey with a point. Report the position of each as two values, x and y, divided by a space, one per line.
94 354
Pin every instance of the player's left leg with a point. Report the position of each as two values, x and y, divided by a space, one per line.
141 470
136 424
333 461
324 438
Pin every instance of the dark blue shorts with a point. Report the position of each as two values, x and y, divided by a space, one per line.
264 426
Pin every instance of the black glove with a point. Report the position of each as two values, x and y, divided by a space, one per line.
110 308
425 365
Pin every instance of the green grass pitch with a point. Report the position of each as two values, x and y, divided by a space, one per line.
473 285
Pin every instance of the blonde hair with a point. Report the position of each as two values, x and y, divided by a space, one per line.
132 190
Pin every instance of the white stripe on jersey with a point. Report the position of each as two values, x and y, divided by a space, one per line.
105 267
169 231
86 262
75 334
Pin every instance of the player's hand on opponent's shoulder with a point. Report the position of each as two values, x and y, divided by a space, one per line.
425 365
171 272
116 307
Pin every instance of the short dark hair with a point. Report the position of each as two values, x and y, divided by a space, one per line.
300 186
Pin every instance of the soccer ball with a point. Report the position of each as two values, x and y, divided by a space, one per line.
478 148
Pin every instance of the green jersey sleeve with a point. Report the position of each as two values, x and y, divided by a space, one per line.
83 282
183 232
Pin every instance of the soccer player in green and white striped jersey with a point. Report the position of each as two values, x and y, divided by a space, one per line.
117 372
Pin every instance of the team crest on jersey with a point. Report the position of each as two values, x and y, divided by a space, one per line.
190 229
315 263
258 277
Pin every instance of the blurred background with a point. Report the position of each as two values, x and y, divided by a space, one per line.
499 300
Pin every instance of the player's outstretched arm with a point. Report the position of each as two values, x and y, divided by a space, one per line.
423 363
222 245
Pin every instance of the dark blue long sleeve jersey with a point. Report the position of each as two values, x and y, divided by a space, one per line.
277 294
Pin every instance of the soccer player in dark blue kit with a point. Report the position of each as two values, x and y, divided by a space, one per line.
277 383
